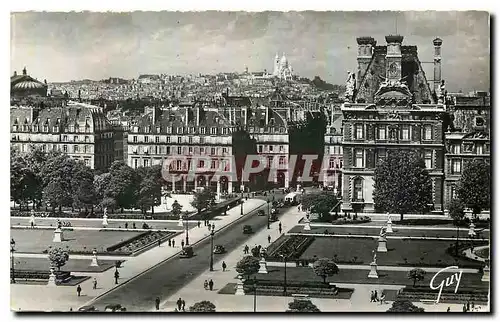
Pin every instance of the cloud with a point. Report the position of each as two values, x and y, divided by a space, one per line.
65 46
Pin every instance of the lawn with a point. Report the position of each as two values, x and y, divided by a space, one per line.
38 240
72 265
421 252
360 276
340 230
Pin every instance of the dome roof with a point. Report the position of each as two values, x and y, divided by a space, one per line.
29 84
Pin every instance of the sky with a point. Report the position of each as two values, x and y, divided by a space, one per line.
90 45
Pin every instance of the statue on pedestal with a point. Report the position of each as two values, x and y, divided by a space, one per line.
350 86
374 257
383 232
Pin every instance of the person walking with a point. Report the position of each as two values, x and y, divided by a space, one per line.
133 225
182 243
382 298
224 266
448 309
169 243
213 227
95 284
372 297
79 290
183 306
157 303
464 308
246 249
269 239
205 285
126 225
159 242
173 243
199 224
211 285
179 303
279 228
117 275
468 306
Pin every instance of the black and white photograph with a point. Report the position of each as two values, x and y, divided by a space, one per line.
250 161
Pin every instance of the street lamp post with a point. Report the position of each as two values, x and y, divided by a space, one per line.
187 229
254 294
212 250
12 250
284 286
268 215
242 188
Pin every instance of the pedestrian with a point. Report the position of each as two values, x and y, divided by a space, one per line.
246 249
211 285
183 306
157 303
71 309
213 227
159 242
448 309
209 227
464 308
472 305
468 306
199 224
117 275
179 303
182 243
78 290
173 243
133 225
205 285
279 229
382 298
269 239
95 284
126 225
224 266
372 297
375 296
169 243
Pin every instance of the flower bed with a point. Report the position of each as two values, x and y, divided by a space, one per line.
448 295
292 248
316 289
347 220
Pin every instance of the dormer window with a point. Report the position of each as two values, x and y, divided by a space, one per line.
202 130
158 129
213 131
179 130
46 128
77 128
169 130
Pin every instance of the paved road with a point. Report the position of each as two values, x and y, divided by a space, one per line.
168 277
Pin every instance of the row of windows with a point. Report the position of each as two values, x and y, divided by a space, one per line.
270 148
384 132
188 130
363 159
63 148
336 149
478 148
181 150
181 165
170 139
46 128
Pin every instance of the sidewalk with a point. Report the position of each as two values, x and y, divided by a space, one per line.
44 298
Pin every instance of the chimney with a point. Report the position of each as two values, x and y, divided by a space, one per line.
15 73
267 115
365 53
393 57
437 63
245 113
198 115
186 116
24 71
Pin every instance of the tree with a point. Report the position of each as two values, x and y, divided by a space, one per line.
457 213
402 184
176 209
324 268
247 266
35 160
101 182
203 306
84 194
416 274
203 199
58 258
22 179
321 203
400 306
149 188
56 176
473 188
123 185
302 306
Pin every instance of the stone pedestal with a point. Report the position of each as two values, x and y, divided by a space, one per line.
263 266
307 224
373 270
382 245
472 232
389 227
240 290
486 274
52 278
94 259
58 236
180 223
105 221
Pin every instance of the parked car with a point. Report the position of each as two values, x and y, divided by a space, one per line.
247 229
114 308
87 308
219 249
187 252
261 213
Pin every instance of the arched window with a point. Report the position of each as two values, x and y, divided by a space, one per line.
358 189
